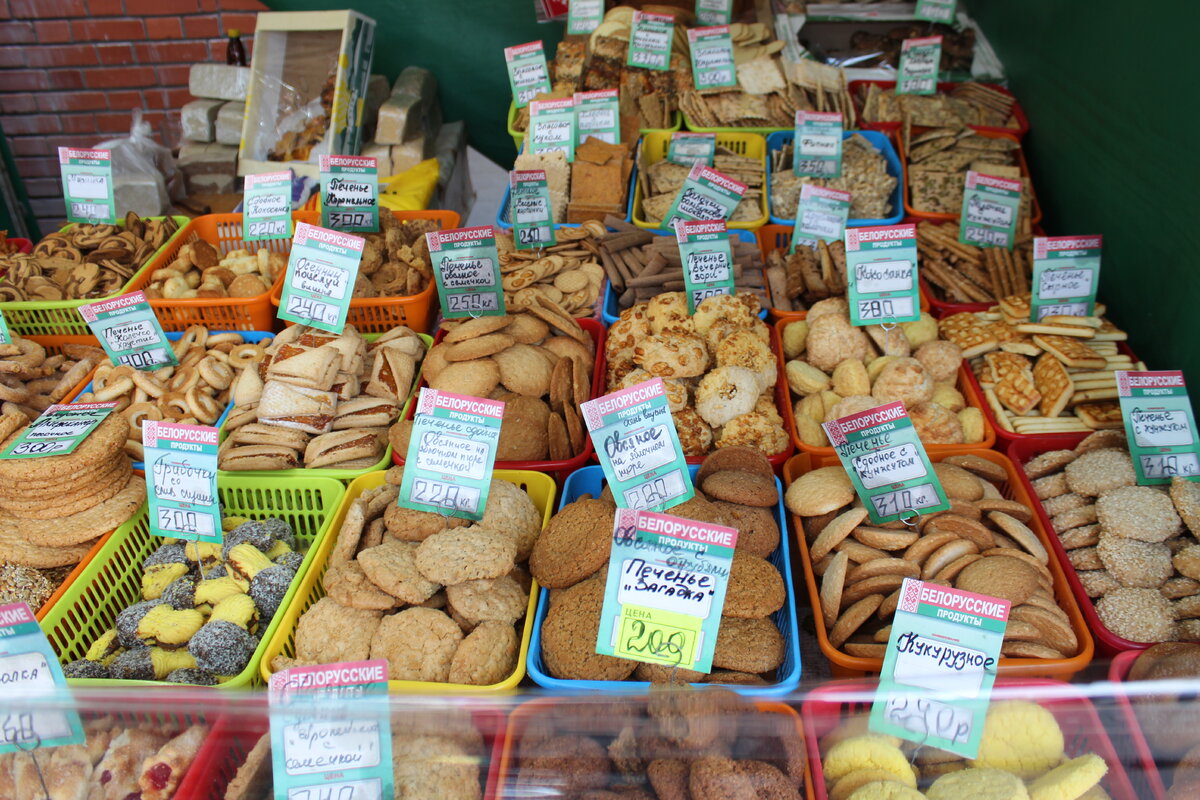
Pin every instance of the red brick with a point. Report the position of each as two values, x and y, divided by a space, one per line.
29 146
115 77
14 56
243 5
167 98
70 140
18 103
80 55
78 123
108 30
43 187
158 7
116 54
26 80
243 22
52 32
173 76
116 122
16 32
106 8
37 167
171 52
66 79
71 101
32 123
163 28
128 99
201 27
45 9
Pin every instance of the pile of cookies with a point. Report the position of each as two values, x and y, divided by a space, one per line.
1167 721
838 369
1022 754
718 366
967 104
31 380
864 175
806 276
395 261
537 359
1134 548
199 271
203 607
962 273
319 400
734 487
663 180
568 274
982 544
441 598
938 160
679 742
85 262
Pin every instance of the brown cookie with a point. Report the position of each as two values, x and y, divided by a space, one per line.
1007 578
748 645
740 486
758 532
755 587
478 326
523 431
569 634
736 457
329 633
479 347
486 656
408 525
717 777
393 568
418 643
465 554
575 544
557 437
349 586
490 600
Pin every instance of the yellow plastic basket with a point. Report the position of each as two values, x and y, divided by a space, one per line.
654 148
541 490
113 579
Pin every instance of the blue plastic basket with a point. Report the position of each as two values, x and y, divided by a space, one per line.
882 142
504 222
590 480
609 312
174 336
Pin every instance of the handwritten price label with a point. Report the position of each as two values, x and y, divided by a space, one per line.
1160 425
59 430
29 670
87 183
350 193
267 206
321 271
181 480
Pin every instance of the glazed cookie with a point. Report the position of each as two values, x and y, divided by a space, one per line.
459 555
418 643
486 656
569 637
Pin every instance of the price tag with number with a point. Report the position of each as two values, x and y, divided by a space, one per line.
448 468
181 480
817 146
598 114
690 149
936 10
584 16
820 214
331 736
638 447
130 332
350 193
882 267
990 208
29 669
527 73
529 207
267 207
714 12
321 271
467 270
5 336
650 41
706 195
887 464
920 60
552 127
939 667
712 57
665 590
1160 426
59 430
707 260
87 184
1066 274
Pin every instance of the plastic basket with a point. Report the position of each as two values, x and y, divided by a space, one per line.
518 137
1083 731
757 130
882 142
112 581
1142 768
857 94
540 489
590 480
654 147
848 666
944 308
54 346
503 220
61 317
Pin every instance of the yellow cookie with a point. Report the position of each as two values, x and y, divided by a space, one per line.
978 784
1020 737
867 752
854 781
885 790
1070 780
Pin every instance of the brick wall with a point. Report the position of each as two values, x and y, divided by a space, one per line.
71 70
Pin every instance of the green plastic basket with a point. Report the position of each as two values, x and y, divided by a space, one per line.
61 317
113 581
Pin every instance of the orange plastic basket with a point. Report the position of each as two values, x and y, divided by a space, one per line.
847 666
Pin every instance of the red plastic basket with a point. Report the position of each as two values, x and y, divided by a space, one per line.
1145 776
943 308
1083 732
858 97
22 244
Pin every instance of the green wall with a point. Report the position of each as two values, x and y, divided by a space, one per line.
1110 91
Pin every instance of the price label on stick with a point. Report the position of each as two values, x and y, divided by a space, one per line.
5 336
267 206
820 214
1066 274
1160 426
331 733
714 12
130 332
584 16
817 145
350 193
707 260
530 210
448 468
181 480
29 670
87 182
690 149
706 195
936 10
59 430
939 667
598 114
527 73
467 270
638 447
712 57
887 464
882 267
920 60
990 208
665 589
552 127
650 41
319 283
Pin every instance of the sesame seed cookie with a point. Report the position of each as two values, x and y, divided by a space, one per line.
1138 512
1140 615
1099 471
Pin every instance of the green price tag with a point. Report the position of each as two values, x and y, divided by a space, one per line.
59 430
707 260
887 464
939 667
349 193
5 336
817 146
130 332
638 447
650 41
529 207
181 480
552 127
598 114
714 12
919 63
882 267
321 272
1066 274
467 270
820 214
267 206
706 195
448 467
584 16
527 73
665 589
690 149
331 734
30 669
990 208
936 10
712 57
87 182
1160 426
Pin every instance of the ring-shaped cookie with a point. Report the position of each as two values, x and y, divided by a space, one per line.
202 406
184 379
122 371
174 405
219 339
215 373
246 354
13 394
134 449
219 355
139 412
115 388
195 335
148 384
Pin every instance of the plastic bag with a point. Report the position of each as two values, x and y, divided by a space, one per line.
143 170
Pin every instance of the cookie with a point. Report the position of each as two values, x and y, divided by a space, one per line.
758 532
101 445
479 347
1050 486
486 656
740 486
1049 462
1099 440
1099 471
988 470
523 370
1138 512
736 457
329 633
957 482
497 600
853 618
718 777
410 525
562 765
819 491
1064 503
575 544
465 554
85 525
392 567
510 511
748 645
434 766
18 551
418 643
769 782
1134 563
481 326
1137 614
755 587
477 378
1185 495
569 634
348 585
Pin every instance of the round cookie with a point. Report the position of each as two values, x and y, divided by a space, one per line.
480 347
510 511
1008 578
465 554
885 790
392 567
574 545
1071 779
476 378
1187 561
1139 615
738 486
410 525
735 457
418 643
433 766
498 600
1185 495
748 645
349 586
1020 737
868 751
523 370
758 532
523 430
1138 512
569 634
978 784
1096 472
768 781
479 326
755 587
486 656
1135 563
100 446
719 777
329 633
819 492
700 509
